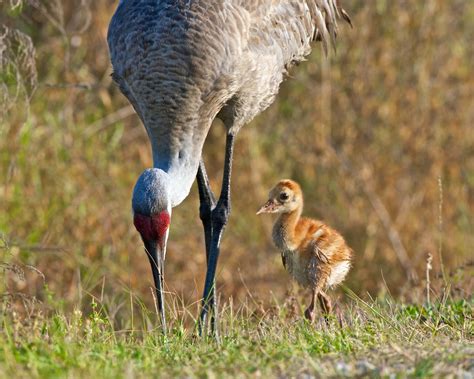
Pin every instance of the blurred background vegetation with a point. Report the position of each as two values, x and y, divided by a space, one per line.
380 135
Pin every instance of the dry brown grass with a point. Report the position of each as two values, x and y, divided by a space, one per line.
369 133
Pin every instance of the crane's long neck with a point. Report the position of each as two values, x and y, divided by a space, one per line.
285 234
177 150
181 170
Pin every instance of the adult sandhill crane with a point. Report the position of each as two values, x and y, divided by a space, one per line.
181 63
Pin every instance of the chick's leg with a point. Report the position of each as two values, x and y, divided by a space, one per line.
309 312
325 302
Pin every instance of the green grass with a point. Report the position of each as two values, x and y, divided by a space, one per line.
378 339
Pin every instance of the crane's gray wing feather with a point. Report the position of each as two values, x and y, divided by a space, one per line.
297 22
182 62
280 33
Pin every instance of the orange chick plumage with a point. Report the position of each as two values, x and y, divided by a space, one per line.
315 255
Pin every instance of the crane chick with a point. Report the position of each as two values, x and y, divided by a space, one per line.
315 255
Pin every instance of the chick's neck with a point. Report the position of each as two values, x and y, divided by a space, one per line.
284 230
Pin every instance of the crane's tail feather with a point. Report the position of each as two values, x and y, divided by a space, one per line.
324 14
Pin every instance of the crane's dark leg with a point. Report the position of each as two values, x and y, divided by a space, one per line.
219 217
207 204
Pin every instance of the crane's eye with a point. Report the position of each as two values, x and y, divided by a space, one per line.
284 196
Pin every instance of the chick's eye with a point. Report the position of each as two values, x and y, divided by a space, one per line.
283 196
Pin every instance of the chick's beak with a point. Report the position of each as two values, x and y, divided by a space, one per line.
269 207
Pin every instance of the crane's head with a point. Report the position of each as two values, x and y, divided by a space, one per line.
151 216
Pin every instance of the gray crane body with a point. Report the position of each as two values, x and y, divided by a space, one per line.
182 63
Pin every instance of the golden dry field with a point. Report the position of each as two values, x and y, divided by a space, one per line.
380 135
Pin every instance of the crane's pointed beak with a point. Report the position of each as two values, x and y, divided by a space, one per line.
268 207
156 254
